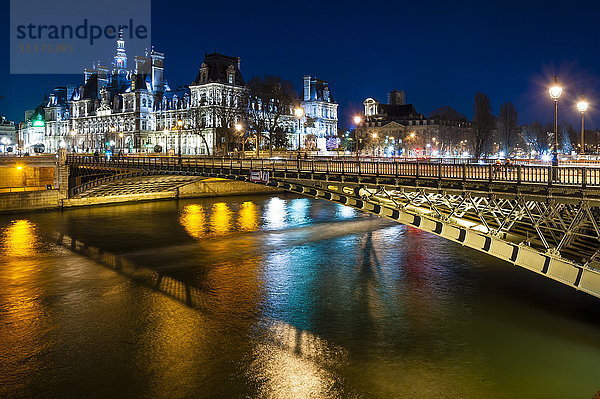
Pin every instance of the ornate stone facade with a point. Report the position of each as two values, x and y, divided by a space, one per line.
134 110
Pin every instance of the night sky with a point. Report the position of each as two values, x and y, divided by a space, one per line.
440 53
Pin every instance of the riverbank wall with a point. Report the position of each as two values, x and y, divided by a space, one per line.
53 199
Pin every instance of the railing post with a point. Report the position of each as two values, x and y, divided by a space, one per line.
519 174
550 172
464 172
583 177
417 169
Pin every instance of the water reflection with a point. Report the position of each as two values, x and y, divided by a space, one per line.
275 214
345 212
19 239
20 309
192 219
295 363
278 297
220 219
248 216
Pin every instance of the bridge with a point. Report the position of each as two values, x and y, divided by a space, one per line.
542 218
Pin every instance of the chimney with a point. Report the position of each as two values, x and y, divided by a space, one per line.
306 87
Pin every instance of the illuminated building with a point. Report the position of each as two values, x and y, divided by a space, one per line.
321 114
125 109
7 133
399 126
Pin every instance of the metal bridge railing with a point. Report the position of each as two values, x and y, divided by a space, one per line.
574 176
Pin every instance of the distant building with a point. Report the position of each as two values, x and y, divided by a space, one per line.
321 114
32 131
8 133
396 97
398 128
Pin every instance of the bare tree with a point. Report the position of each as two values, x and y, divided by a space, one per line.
535 136
226 116
448 114
269 99
198 125
483 125
508 127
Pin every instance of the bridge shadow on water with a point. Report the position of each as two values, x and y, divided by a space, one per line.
277 341
192 296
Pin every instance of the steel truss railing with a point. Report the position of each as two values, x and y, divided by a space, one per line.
571 176
569 229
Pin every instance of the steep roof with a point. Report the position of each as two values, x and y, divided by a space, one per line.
399 111
319 90
218 65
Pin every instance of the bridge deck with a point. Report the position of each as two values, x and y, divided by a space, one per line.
565 176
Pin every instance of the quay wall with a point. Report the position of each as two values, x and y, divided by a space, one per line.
55 199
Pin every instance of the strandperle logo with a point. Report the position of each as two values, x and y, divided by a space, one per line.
82 31
71 36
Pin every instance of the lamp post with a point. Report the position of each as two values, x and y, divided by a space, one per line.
357 121
582 106
299 113
73 139
555 92
374 136
179 127
238 128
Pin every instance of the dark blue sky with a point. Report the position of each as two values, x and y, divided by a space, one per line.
439 52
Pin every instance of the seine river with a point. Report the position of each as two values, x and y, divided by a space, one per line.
276 297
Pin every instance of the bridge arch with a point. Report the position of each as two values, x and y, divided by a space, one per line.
551 229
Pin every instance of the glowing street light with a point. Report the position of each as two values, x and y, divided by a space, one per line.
357 121
582 106
238 128
555 91
298 113
179 127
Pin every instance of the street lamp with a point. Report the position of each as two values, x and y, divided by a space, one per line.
299 113
374 136
121 135
179 127
112 129
582 106
357 121
238 128
555 92
73 139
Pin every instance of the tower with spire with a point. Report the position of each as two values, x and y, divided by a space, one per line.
120 60
120 73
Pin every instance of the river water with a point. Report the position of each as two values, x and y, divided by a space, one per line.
277 297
